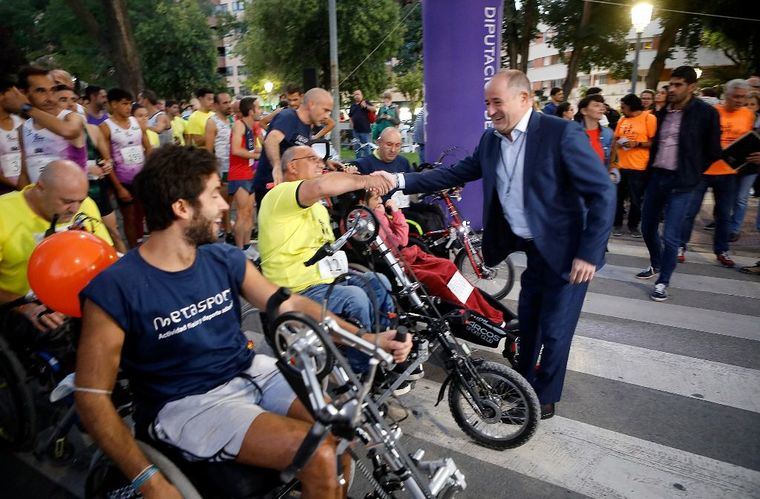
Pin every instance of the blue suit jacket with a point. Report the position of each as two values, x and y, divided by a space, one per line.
569 198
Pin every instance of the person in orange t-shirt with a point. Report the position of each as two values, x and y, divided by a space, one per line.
735 121
633 136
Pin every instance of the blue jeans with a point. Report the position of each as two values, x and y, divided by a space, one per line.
724 191
350 299
660 196
360 149
744 184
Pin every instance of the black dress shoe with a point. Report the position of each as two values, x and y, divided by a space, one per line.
547 411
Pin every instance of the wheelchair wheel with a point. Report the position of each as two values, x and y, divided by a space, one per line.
106 481
498 284
18 416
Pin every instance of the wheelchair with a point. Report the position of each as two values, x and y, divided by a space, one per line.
31 365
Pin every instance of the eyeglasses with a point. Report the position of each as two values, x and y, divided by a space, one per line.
313 159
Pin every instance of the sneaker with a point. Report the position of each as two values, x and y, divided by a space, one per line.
725 260
734 236
647 273
660 292
617 231
710 226
681 254
403 389
418 373
635 233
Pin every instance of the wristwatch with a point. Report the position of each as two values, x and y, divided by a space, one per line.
25 108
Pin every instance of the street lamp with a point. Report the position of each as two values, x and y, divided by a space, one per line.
641 15
268 86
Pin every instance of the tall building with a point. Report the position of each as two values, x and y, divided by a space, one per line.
545 70
230 65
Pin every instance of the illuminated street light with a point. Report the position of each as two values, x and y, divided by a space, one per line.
268 86
641 16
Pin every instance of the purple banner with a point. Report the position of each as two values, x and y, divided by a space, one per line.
461 41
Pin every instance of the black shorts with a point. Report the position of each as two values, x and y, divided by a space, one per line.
100 192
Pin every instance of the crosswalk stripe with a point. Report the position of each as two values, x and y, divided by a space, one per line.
677 374
640 250
668 314
591 460
719 285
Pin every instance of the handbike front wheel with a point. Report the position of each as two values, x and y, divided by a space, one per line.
18 416
495 281
512 410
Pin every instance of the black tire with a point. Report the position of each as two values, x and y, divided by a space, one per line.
515 389
18 416
498 286
417 241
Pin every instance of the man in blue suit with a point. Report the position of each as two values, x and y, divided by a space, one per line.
545 192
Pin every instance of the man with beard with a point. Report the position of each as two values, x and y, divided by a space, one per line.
168 312
96 105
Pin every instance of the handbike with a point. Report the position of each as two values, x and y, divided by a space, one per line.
503 408
459 242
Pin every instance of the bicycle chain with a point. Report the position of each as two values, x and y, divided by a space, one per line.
368 475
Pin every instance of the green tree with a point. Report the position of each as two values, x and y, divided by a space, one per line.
410 53
518 29
177 48
739 40
592 34
410 84
283 38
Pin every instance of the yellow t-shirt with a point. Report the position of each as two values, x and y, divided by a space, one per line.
732 126
178 129
196 124
639 128
152 138
21 229
289 235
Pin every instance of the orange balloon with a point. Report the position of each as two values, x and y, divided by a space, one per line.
63 264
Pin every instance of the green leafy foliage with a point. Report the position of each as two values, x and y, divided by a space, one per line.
177 48
284 38
602 39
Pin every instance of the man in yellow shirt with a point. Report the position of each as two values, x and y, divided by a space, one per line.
293 225
58 197
178 124
195 130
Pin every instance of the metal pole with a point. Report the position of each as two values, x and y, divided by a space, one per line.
635 75
333 21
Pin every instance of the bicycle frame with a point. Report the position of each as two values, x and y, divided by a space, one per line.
459 230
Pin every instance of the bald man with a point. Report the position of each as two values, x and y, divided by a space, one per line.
289 128
545 192
386 156
27 216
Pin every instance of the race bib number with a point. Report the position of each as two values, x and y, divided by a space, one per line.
36 164
333 266
401 199
11 164
460 286
133 155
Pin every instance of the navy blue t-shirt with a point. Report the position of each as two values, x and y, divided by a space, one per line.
372 163
182 329
360 118
296 132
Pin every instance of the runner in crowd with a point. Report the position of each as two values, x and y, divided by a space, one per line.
244 153
158 120
217 141
10 146
178 124
195 131
127 147
97 99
